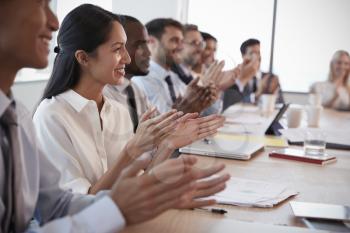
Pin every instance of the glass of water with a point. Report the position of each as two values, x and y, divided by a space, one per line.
315 142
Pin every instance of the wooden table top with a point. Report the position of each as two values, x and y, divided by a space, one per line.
326 184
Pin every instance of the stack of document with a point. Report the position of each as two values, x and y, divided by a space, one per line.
252 193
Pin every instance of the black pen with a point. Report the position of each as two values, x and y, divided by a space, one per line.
214 210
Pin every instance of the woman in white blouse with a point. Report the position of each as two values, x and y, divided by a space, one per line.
86 135
335 92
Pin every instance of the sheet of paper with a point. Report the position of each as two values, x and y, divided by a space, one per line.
244 192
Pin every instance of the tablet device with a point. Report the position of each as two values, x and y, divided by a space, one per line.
275 126
320 211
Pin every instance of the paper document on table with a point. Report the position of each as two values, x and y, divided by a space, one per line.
253 193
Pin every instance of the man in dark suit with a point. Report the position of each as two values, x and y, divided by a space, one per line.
252 82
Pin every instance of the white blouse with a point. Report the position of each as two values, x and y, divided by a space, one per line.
327 90
69 131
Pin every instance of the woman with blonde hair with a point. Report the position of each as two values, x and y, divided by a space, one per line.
335 92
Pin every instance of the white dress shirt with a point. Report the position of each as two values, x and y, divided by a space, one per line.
156 88
119 94
60 211
69 131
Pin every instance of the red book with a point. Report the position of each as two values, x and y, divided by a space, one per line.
299 155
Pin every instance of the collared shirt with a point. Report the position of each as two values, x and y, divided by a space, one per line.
60 211
69 131
118 93
156 88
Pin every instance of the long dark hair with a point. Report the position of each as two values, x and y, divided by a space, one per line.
84 28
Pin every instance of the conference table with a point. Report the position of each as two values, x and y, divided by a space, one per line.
323 184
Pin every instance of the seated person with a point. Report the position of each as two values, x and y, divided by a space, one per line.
128 93
335 92
90 137
31 200
191 55
163 87
252 82
208 54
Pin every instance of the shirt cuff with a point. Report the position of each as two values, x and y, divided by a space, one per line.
240 85
103 216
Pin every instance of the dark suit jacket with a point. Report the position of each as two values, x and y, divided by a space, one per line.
232 95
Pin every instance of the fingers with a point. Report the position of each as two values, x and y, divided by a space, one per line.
187 117
166 121
217 71
207 172
147 115
166 131
211 125
160 118
211 191
135 167
194 82
172 170
209 184
205 134
206 118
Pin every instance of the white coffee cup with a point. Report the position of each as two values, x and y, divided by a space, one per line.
267 103
294 116
315 99
313 115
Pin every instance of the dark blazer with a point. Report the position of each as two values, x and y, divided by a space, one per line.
232 95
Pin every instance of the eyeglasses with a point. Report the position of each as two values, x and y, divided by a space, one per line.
197 44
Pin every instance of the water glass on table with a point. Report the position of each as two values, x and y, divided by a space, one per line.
315 142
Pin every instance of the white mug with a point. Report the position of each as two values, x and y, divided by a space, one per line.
294 116
268 102
313 115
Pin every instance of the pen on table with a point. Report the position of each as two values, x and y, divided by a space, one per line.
213 210
207 141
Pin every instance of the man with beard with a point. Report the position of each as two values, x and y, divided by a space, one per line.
190 56
208 53
162 86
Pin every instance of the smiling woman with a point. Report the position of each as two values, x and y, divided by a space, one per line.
82 131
